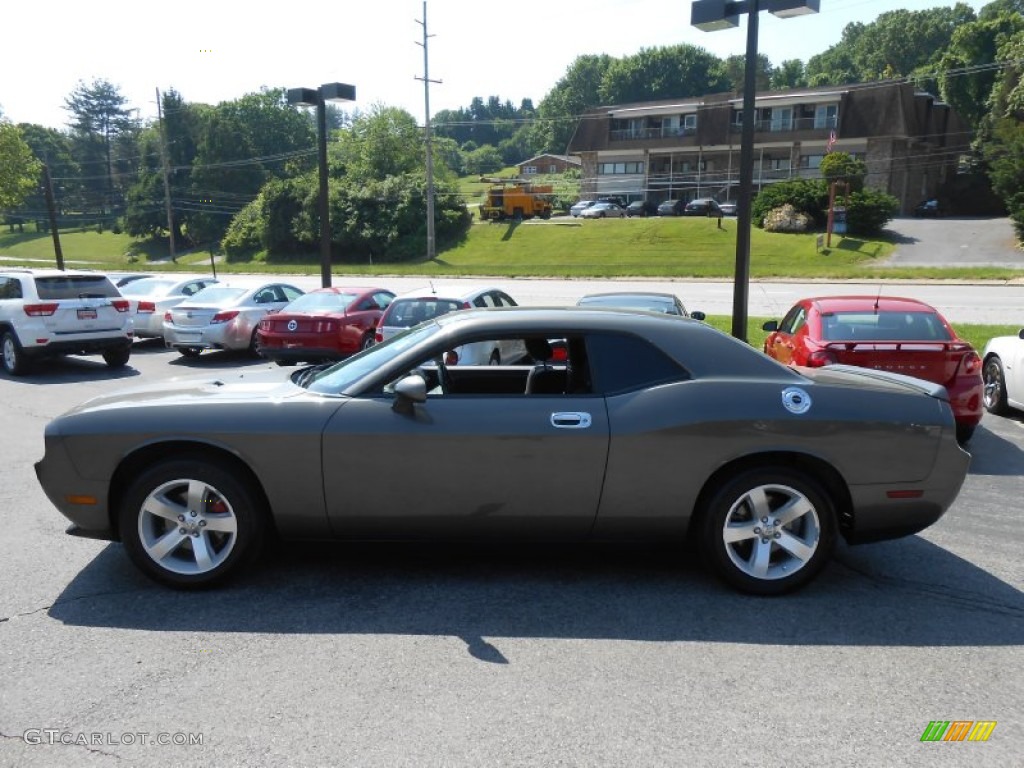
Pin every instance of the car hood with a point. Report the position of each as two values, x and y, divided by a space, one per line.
265 385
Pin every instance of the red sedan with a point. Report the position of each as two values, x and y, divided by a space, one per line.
891 334
325 324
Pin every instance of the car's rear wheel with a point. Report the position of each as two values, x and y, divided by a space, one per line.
190 352
367 342
254 344
769 530
117 358
995 386
15 361
191 523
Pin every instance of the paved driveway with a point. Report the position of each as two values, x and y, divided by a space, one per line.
953 242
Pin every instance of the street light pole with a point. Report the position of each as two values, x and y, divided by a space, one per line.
709 16
318 97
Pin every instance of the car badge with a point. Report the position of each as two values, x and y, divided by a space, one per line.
292 325
188 315
795 400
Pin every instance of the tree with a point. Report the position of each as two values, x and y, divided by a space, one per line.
1002 142
789 74
898 43
98 118
965 83
678 71
734 70
844 167
19 169
54 148
575 92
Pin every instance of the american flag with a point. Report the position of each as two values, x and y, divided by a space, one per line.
831 141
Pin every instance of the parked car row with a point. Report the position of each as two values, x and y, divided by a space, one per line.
613 207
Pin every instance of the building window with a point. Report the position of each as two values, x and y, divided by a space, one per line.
609 169
552 168
689 125
826 116
811 161
782 119
529 170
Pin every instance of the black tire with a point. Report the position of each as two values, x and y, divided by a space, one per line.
994 378
190 352
117 358
764 554
964 433
229 523
254 344
367 342
15 361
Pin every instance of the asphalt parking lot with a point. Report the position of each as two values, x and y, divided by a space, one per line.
384 655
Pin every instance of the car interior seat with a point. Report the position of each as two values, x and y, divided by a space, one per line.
543 379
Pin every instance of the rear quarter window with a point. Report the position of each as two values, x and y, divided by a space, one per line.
620 363
75 287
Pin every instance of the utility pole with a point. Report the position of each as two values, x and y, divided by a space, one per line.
167 183
51 209
431 243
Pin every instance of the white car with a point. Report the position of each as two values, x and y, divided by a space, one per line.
578 208
1003 373
418 306
223 317
151 297
602 210
51 312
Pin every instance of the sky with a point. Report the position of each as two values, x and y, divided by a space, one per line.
218 50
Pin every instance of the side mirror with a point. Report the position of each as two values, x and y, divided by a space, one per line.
409 390
698 315
771 325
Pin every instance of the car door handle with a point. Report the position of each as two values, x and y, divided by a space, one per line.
571 420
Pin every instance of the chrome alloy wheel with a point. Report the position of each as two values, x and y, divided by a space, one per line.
993 384
187 527
771 532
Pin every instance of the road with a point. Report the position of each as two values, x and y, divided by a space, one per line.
377 655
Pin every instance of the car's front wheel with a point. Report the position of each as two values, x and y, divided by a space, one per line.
994 378
15 361
769 530
190 523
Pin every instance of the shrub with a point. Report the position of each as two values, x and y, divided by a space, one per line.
808 196
868 211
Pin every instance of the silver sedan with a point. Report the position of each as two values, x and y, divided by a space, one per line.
151 297
223 317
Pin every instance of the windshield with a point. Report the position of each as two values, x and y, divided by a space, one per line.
318 302
648 303
340 378
217 294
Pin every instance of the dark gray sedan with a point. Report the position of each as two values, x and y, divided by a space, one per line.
622 426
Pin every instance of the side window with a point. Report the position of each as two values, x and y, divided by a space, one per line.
794 321
621 362
486 300
6 284
503 299
383 299
288 293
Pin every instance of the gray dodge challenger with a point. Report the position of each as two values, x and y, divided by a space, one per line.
614 425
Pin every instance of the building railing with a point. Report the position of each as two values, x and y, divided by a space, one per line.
639 134
794 124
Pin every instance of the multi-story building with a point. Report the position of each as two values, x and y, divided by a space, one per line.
687 148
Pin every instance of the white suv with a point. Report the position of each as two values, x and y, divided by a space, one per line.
50 312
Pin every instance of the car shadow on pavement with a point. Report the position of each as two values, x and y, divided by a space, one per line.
220 358
71 369
994 455
908 592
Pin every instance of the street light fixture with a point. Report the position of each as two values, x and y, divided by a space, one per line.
709 16
318 97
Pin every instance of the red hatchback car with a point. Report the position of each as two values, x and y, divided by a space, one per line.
891 334
325 324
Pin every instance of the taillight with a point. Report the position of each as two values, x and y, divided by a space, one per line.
970 364
167 316
325 326
821 357
452 358
466 305
146 308
223 317
378 337
121 305
40 310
